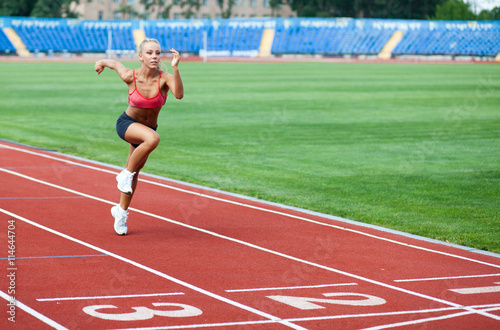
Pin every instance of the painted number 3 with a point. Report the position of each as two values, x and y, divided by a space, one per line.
143 313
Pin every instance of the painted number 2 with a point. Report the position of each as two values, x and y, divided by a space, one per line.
306 303
143 313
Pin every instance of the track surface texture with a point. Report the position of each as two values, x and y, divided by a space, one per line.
200 258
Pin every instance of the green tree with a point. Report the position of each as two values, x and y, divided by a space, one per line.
408 9
275 6
193 6
160 6
489 15
495 13
411 9
16 8
225 13
454 10
129 12
53 8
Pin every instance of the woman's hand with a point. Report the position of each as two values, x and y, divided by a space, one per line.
176 59
99 67
174 80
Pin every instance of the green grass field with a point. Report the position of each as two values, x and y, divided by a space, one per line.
413 147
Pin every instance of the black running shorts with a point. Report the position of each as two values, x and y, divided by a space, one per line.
122 124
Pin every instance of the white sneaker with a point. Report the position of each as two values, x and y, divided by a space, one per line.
124 180
120 220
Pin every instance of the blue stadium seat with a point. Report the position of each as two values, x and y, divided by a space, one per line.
75 39
329 40
292 36
449 42
6 46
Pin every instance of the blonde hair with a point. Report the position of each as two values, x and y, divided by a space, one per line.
147 40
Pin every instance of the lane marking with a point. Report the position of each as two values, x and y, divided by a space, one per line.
481 289
113 297
256 207
288 215
310 303
67 161
33 312
292 287
315 318
60 166
203 325
55 197
143 313
446 278
50 257
395 313
389 286
56 186
426 320
158 273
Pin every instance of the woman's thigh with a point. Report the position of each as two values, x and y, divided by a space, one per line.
138 133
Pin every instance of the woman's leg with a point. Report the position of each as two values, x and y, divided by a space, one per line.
147 139
120 211
125 199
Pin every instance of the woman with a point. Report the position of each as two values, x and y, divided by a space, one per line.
147 93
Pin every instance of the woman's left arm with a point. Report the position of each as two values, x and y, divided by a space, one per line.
174 81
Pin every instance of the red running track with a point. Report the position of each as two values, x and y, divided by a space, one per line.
200 258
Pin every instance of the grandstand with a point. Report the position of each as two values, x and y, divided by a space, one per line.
305 36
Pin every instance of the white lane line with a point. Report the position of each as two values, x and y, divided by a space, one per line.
158 273
321 223
389 286
32 312
56 186
446 278
481 289
204 325
406 312
112 297
426 320
261 208
320 318
57 158
292 287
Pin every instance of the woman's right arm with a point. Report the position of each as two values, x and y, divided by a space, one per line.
123 72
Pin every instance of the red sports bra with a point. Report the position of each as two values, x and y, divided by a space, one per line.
135 99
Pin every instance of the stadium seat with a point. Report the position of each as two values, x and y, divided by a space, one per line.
331 37
6 46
